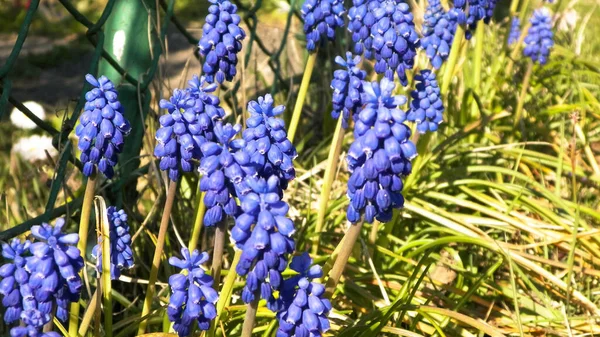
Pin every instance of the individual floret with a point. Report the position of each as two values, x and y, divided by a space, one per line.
102 128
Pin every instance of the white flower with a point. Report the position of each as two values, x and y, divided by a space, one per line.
21 121
33 148
568 20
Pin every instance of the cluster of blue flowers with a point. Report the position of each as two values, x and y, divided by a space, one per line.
380 154
189 123
102 128
193 297
41 276
347 88
477 10
539 39
321 18
304 308
515 30
121 255
439 27
221 41
426 107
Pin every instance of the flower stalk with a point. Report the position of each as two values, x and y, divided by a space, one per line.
104 228
226 291
160 242
459 36
524 86
332 164
310 65
198 222
250 317
342 259
84 224
217 258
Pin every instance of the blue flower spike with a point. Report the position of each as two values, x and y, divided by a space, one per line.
539 40
187 125
121 255
438 32
192 295
102 128
14 277
264 233
304 306
380 154
426 107
321 19
477 10
221 41
54 268
515 30
347 88
224 166
271 152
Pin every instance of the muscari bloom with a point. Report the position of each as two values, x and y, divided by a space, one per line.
192 298
347 88
188 124
271 152
224 165
385 31
477 10
102 128
515 30
33 321
121 256
426 107
264 233
538 41
304 306
221 41
54 268
321 18
380 154
14 277
438 32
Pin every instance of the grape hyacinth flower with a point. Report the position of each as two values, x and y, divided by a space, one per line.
14 277
395 40
380 154
477 10
538 41
192 298
347 88
515 30
321 19
33 321
224 165
264 233
361 20
221 41
266 139
426 107
54 268
102 128
121 256
188 124
304 306
438 32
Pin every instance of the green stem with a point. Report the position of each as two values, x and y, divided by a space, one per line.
310 65
200 211
523 93
479 36
84 224
332 163
217 259
160 242
340 262
459 36
89 314
250 318
514 4
226 291
106 280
